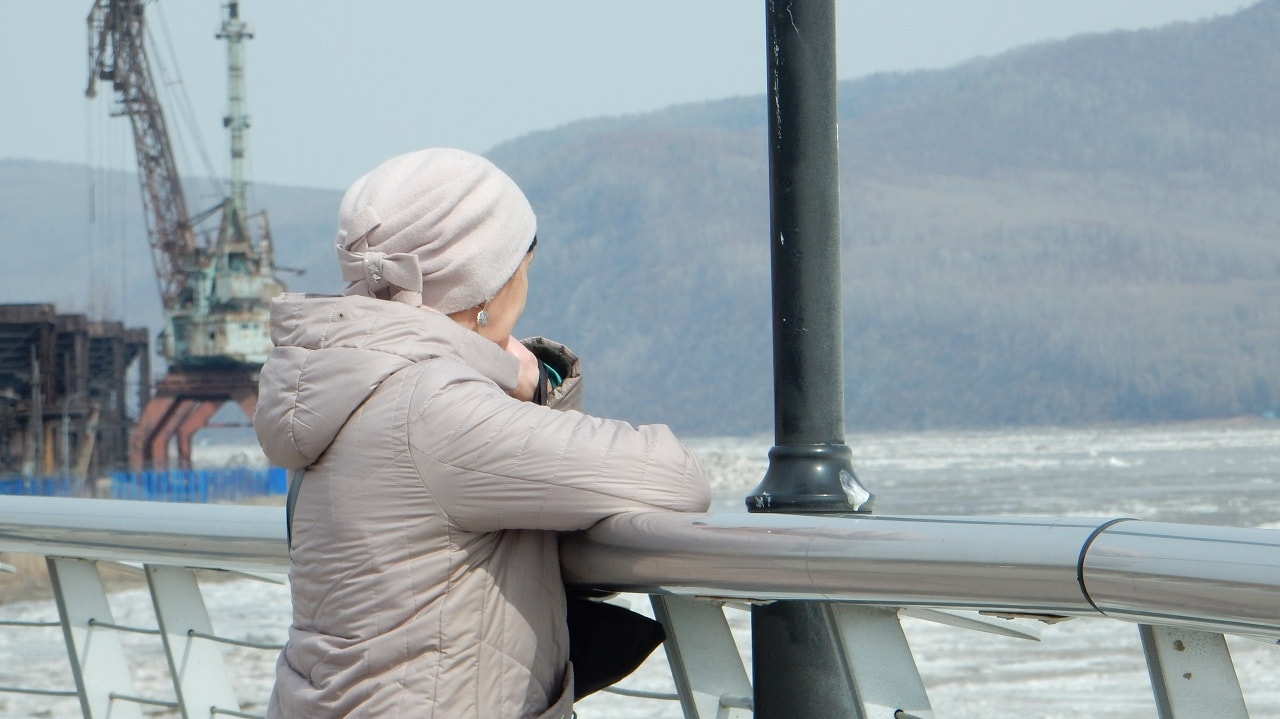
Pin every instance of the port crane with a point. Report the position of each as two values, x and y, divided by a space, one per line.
215 278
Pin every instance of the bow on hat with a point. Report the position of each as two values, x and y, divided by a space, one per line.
369 272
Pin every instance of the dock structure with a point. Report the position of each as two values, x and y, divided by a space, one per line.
67 384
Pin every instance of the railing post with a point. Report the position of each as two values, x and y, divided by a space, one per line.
198 669
97 658
1191 674
705 665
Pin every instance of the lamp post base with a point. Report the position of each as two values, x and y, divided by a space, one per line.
811 479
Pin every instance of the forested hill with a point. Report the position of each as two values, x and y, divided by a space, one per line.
1071 232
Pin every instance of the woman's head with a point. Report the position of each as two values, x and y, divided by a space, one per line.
438 227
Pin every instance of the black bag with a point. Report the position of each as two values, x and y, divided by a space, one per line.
607 642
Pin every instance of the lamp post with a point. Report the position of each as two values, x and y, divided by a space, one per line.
810 467
799 660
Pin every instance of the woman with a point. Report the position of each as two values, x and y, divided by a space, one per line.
425 574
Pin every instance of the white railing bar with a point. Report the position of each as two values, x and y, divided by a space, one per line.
1152 573
1177 574
1218 579
1020 565
216 536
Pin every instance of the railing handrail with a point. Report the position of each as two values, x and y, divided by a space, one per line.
214 536
1220 579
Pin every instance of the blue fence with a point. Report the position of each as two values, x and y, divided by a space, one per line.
37 486
199 485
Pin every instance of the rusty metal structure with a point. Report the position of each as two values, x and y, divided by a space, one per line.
66 387
215 270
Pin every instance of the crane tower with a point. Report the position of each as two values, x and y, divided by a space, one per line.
215 279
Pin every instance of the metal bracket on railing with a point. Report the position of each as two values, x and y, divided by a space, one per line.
881 667
1000 626
103 681
705 663
1192 674
98 662
199 673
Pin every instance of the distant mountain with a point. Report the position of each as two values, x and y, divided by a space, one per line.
1074 232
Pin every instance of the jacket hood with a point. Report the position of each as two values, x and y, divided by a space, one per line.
331 353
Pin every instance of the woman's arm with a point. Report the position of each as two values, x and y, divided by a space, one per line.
493 462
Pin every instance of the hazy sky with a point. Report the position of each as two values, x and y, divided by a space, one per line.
334 86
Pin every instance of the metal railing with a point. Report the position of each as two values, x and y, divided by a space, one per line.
1185 585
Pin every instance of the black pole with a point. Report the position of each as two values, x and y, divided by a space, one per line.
810 467
799 663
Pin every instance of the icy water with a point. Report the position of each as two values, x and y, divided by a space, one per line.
1216 473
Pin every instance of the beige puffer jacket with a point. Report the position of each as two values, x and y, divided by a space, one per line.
425 573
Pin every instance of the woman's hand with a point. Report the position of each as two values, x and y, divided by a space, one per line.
527 380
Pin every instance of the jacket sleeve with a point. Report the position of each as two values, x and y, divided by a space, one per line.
498 463
563 360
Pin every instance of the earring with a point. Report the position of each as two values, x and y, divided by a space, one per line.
482 318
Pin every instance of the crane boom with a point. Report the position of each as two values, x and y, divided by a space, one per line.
215 286
117 53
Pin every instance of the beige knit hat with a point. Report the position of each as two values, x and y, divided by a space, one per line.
438 227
